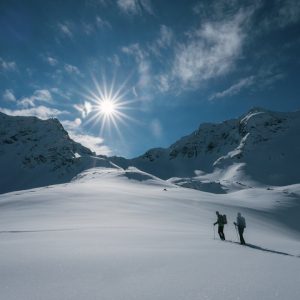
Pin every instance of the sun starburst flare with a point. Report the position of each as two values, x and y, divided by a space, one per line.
108 105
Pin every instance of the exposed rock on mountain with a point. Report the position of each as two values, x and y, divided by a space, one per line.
36 152
261 147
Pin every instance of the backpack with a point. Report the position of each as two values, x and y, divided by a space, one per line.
224 218
242 222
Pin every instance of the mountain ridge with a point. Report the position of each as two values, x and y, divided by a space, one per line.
247 143
36 152
257 149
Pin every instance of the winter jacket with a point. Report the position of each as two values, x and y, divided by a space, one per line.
241 222
220 221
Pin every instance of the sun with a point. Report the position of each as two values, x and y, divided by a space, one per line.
108 105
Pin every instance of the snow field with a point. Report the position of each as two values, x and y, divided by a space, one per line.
106 236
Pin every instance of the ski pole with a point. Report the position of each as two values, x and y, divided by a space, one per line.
214 232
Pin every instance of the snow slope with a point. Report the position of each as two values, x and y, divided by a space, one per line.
36 152
112 234
259 148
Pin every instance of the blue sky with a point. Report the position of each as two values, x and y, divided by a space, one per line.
173 65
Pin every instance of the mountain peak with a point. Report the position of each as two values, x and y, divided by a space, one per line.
40 152
256 109
261 146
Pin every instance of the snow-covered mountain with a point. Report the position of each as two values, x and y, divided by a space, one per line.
36 152
113 233
260 147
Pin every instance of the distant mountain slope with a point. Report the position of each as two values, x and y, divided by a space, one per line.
36 152
261 146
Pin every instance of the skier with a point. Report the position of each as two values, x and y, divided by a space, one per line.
221 221
241 225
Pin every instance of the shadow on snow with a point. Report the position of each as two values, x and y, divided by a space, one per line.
264 249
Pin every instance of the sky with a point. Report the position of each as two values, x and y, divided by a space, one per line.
166 66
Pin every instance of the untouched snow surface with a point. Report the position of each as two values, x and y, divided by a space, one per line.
111 234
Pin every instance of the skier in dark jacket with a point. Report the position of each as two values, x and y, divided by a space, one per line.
220 222
241 225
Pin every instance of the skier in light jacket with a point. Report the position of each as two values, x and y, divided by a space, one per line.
241 225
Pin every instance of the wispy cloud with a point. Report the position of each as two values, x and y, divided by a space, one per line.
59 92
156 128
209 52
163 82
144 57
9 95
115 59
72 69
143 64
84 108
135 7
235 88
7 65
289 11
164 40
96 144
97 3
165 36
144 69
135 50
38 95
286 12
41 112
65 29
264 78
268 75
51 61
71 125
88 28
101 23
218 10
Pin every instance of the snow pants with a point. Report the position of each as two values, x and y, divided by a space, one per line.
241 232
221 232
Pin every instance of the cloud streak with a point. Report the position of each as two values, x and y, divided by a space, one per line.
37 96
286 12
9 95
51 61
41 112
65 29
84 108
210 51
235 88
96 144
264 78
135 7
7 65
72 69
101 23
165 40
156 128
141 58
